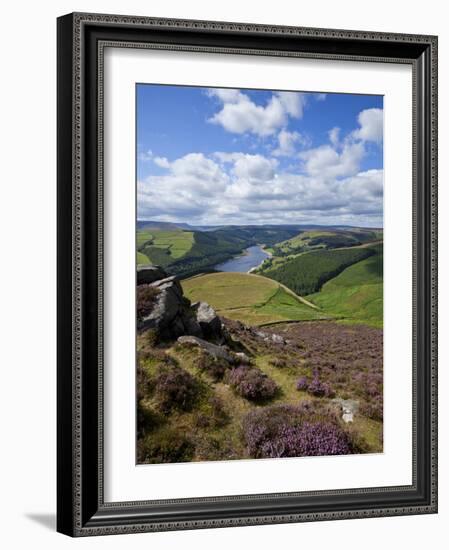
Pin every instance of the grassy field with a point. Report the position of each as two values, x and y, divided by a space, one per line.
357 293
164 247
142 259
249 298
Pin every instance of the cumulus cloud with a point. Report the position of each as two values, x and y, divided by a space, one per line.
328 185
145 156
226 95
239 114
287 143
248 166
371 125
243 188
162 162
197 169
293 102
334 136
327 162
254 167
149 156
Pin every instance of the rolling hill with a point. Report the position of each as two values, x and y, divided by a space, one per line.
357 293
306 273
251 299
325 238
183 252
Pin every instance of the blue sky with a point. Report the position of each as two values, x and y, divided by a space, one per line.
224 156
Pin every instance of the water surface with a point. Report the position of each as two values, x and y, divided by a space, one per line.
251 257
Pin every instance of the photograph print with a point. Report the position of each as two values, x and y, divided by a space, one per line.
259 298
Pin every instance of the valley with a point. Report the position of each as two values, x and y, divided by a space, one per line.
338 270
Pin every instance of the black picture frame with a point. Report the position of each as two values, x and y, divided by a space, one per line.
81 510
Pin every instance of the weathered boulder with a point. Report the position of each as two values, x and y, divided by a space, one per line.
277 339
348 408
147 274
176 328
166 307
217 352
266 337
169 312
191 325
208 320
169 283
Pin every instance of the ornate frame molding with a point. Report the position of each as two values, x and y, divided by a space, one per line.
81 510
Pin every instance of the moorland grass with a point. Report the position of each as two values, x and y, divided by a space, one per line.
212 428
251 299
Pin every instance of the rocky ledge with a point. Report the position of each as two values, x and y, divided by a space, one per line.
162 307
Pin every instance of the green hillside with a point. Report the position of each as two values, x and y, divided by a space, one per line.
248 298
250 235
325 239
164 247
184 252
142 259
306 273
357 293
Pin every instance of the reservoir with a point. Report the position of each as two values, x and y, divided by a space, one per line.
251 257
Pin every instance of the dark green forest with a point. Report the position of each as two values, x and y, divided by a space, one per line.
307 273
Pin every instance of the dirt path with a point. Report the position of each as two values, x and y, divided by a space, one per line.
280 285
300 298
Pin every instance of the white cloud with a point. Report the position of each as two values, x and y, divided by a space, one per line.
287 141
371 125
242 188
327 162
236 187
239 114
226 157
364 186
254 167
320 97
162 162
145 156
334 136
251 167
293 103
196 166
183 192
226 95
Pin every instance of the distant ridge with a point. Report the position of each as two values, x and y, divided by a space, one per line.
150 224
153 224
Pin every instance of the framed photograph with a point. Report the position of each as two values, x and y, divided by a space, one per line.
247 247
